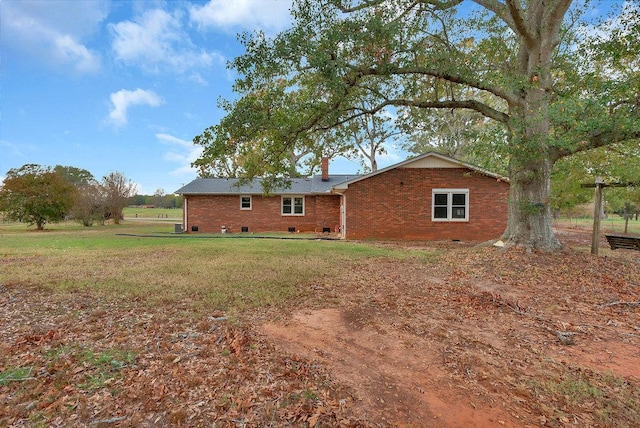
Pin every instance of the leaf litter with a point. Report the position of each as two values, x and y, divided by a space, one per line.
469 337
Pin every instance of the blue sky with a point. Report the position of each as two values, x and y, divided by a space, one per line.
120 85
123 85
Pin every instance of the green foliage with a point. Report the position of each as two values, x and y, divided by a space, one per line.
550 88
158 200
615 163
79 177
262 136
370 133
566 190
36 195
89 202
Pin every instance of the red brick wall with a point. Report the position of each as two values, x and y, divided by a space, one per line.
397 205
210 213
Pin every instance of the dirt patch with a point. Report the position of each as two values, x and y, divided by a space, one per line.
398 377
480 338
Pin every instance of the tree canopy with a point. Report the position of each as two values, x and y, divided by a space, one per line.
552 83
88 205
79 177
116 191
36 195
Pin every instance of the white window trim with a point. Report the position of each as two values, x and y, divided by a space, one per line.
250 202
293 197
449 205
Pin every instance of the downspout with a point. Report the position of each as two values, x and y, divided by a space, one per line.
185 228
343 217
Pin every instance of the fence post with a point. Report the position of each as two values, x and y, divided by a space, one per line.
597 209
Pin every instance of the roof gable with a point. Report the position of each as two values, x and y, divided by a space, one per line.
426 160
432 162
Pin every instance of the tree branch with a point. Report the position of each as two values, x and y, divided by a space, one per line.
597 139
554 18
442 4
437 4
520 23
500 10
440 74
481 108
361 6
462 104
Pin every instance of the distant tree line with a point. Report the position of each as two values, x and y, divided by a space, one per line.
37 195
158 200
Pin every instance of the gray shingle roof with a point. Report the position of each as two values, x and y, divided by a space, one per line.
229 186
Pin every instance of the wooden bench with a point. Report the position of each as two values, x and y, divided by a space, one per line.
625 242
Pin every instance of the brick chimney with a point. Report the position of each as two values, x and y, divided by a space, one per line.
324 166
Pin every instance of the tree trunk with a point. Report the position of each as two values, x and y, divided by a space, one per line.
530 219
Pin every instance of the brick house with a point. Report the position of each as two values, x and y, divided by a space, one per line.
431 196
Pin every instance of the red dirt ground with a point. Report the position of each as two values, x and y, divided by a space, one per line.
456 346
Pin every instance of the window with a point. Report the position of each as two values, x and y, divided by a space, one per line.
450 205
245 202
293 205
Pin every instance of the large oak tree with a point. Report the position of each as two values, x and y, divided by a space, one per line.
529 66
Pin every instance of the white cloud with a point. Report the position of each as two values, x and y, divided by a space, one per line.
156 40
182 152
268 15
69 51
197 78
123 99
140 189
46 31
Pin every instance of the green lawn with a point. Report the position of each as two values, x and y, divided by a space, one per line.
223 273
153 213
210 271
613 224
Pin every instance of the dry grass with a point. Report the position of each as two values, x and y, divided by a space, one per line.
227 274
